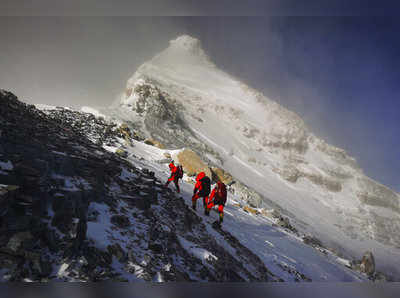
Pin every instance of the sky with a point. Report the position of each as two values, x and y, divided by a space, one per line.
340 74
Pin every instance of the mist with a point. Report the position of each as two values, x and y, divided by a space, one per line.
75 61
339 74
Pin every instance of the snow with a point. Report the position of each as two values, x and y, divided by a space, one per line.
344 262
62 271
93 111
126 175
73 183
110 148
6 166
276 247
44 107
247 120
250 132
200 253
59 153
158 277
98 231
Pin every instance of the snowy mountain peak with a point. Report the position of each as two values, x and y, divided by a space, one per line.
181 99
184 50
186 43
183 54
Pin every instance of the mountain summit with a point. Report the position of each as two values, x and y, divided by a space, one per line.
180 98
188 44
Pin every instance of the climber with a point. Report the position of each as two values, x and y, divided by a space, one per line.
217 197
176 174
201 190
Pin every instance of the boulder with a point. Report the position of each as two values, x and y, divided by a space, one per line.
368 263
154 143
251 210
220 174
192 163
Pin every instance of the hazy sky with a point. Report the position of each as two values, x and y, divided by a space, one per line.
340 74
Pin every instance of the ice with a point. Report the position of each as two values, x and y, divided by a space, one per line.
99 231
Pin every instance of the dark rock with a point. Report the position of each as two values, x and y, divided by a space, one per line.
141 203
121 221
284 223
39 266
157 248
80 233
310 240
117 251
50 238
152 197
8 261
63 220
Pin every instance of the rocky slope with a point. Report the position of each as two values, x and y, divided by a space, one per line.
180 98
74 211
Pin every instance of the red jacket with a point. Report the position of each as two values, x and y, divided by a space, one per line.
198 185
174 171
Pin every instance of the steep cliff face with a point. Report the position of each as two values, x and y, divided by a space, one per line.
182 99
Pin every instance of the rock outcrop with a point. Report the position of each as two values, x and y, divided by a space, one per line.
220 174
192 163
368 263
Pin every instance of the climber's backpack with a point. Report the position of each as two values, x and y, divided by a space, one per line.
180 172
205 186
221 194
